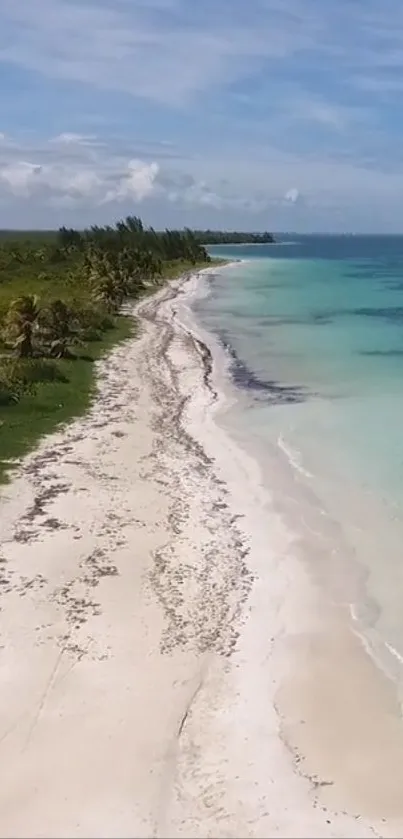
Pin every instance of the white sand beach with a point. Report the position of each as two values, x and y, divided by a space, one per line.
167 666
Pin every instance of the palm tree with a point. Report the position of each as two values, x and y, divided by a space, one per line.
106 276
58 328
141 265
134 224
106 291
21 323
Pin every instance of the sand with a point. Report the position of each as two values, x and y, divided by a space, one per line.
162 644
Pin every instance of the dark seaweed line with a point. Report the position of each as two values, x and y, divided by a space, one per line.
244 377
207 361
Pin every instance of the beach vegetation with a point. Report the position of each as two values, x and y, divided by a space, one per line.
21 323
228 237
61 297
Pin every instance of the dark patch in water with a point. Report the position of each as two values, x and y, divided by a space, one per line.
283 285
390 313
394 285
385 353
279 321
314 319
244 377
322 318
393 314
360 275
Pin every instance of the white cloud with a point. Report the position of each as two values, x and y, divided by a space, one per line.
325 113
170 50
100 183
71 172
21 177
260 137
137 183
200 193
80 182
98 176
70 138
25 179
292 196
157 50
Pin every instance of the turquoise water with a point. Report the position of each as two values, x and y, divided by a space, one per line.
314 330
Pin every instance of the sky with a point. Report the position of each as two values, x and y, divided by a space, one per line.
246 114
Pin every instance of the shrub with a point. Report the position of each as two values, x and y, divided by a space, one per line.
92 321
58 328
20 324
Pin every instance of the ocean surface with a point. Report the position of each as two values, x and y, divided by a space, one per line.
313 330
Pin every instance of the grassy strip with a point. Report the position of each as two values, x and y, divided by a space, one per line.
57 402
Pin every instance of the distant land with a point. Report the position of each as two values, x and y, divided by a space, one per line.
232 237
204 237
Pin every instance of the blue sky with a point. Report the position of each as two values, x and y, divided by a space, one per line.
274 114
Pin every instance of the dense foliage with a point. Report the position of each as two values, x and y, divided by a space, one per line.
60 299
144 243
47 284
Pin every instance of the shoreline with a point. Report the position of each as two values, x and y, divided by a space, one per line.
140 559
320 630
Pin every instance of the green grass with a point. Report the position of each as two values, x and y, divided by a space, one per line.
55 403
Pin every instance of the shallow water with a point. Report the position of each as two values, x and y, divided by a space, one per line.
314 331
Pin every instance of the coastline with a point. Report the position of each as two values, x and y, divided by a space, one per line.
352 729
162 638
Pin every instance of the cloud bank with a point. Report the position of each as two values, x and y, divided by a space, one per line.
273 113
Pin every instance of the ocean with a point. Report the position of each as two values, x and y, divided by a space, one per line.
313 331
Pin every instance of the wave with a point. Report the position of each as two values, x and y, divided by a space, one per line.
394 652
375 646
293 457
283 244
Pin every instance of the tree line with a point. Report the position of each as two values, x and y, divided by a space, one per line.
62 291
227 237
